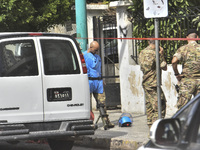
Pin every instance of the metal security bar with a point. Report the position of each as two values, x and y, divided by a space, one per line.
178 22
107 28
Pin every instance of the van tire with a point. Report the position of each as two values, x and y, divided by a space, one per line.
56 144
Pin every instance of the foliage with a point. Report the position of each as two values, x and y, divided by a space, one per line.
172 5
33 15
181 17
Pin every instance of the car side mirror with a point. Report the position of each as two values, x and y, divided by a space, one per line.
166 132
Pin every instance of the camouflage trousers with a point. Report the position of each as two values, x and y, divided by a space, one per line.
152 104
187 89
101 97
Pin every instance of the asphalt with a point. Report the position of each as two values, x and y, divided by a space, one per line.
117 138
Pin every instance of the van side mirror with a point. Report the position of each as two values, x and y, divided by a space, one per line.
166 132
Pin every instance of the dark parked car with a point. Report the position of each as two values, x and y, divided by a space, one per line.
181 132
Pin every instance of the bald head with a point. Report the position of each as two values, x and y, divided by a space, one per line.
94 47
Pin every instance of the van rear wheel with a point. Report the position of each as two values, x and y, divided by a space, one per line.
58 144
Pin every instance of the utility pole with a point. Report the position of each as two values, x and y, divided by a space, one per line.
156 10
81 23
158 71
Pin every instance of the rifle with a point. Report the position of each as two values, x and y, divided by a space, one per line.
177 88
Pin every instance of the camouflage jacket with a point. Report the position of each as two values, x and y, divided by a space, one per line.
189 55
147 61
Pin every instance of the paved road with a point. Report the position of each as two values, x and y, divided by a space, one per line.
32 146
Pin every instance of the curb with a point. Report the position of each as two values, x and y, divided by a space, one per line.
106 143
124 144
117 138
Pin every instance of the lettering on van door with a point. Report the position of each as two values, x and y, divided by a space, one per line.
75 105
9 108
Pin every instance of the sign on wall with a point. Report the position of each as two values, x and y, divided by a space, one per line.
155 8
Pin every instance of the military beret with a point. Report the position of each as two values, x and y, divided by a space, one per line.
192 31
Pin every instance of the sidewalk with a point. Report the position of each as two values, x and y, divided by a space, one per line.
118 138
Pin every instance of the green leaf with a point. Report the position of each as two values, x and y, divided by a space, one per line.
151 27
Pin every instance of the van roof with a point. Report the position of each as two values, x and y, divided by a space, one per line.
4 35
25 34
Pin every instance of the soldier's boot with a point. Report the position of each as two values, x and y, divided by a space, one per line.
109 124
104 123
104 116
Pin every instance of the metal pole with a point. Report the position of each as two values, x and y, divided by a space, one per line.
156 22
81 23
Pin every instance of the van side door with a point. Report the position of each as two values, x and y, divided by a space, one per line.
20 81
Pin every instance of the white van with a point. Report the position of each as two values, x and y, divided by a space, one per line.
44 89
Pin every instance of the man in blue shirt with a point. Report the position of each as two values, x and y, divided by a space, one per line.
93 64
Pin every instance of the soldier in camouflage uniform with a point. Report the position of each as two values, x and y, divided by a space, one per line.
147 60
189 79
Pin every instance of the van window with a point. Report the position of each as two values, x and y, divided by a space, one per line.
18 58
59 57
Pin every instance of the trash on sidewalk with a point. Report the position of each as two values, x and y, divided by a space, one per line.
125 120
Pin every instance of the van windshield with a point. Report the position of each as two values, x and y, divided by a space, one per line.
59 57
